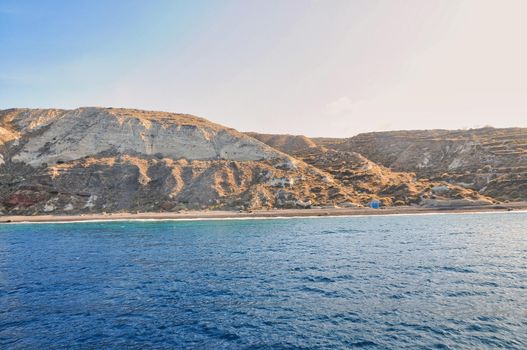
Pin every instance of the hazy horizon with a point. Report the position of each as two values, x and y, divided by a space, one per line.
321 69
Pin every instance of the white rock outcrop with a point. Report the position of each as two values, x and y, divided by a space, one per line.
90 131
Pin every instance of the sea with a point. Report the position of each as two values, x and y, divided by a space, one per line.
456 281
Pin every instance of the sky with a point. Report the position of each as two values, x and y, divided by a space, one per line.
314 67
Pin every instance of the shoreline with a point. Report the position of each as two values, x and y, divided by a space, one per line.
260 214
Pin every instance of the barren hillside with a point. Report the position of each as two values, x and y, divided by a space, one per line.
106 159
491 161
369 179
103 159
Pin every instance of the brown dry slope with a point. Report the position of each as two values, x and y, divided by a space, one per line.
491 161
104 159
370 180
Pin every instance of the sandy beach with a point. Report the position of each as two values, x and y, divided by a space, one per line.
273 213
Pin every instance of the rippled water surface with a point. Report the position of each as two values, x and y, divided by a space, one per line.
437 281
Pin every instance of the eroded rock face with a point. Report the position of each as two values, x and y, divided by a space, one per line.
370 180
127 183
110 160
70 135
491 161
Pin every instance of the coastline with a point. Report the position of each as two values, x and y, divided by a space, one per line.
261 214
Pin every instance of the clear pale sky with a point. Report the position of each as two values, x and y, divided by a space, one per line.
320 68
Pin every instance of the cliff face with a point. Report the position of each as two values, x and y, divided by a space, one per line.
98 159
54 135
491 161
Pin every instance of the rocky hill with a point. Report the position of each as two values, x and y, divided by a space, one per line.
111 160
104 159
491 161
369 179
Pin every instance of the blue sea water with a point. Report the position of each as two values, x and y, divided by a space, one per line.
380 282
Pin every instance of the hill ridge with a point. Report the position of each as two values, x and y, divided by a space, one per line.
94 159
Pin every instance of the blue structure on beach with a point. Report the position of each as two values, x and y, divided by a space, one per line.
375 204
